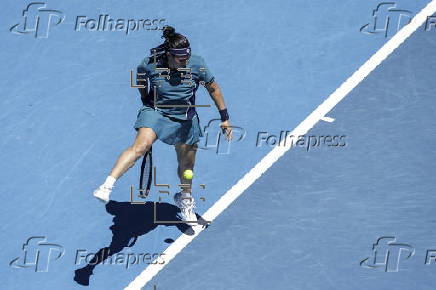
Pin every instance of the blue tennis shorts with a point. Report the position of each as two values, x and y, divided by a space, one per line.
169 130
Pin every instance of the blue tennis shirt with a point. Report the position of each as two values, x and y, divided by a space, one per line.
174 87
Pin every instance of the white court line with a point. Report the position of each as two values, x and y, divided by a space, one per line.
328 119
236 190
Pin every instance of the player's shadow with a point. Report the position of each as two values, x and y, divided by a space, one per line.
131 221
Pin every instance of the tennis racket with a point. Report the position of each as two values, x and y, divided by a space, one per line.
146 176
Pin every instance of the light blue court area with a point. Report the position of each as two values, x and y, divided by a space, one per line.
67 112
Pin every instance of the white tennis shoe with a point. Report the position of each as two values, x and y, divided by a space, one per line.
186 204
103 193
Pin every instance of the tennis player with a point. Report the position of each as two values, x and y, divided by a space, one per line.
171 76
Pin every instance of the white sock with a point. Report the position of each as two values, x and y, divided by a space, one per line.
109 181
186 194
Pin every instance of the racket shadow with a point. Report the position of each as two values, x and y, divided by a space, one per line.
131 221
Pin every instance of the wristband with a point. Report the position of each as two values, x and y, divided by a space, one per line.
224 115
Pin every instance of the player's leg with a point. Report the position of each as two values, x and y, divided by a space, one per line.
143 141
145 138
186 160
184 199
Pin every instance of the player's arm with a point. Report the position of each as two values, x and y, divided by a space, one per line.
216 94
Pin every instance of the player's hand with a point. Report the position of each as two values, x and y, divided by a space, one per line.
227 129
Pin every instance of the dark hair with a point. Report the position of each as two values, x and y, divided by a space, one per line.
172 40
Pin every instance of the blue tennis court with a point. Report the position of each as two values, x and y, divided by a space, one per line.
348 206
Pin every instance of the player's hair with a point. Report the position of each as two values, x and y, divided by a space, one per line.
172 40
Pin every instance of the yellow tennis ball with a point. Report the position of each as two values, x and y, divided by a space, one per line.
188 174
